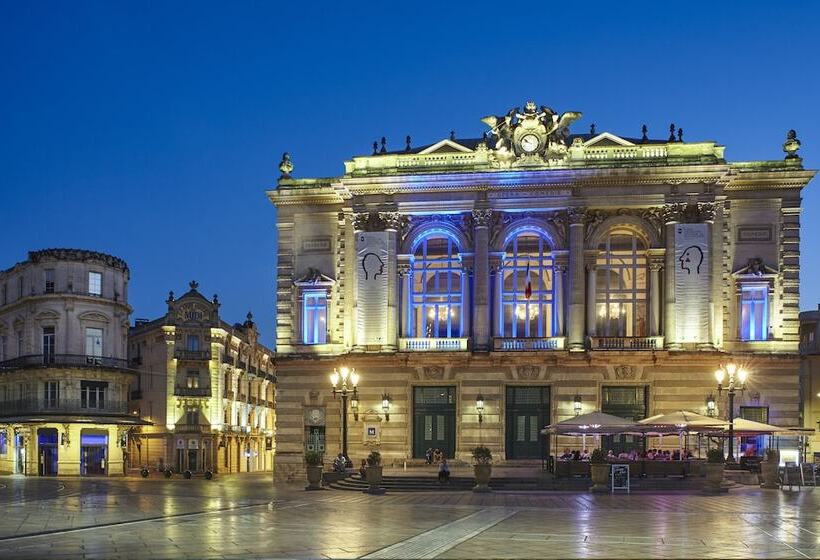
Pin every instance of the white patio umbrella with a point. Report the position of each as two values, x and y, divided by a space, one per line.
678 422
593 423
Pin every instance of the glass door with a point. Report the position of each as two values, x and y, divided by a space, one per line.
527 414
434 420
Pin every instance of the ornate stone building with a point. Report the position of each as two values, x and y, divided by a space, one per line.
543 271
207 386
64 377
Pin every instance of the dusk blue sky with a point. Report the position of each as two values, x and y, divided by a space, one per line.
151 130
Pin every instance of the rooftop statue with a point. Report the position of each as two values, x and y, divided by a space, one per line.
532 134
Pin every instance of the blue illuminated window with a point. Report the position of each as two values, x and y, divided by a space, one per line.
754 312
436 297
314 317
527 296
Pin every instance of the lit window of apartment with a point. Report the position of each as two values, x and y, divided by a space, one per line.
92 394
95 283
192 379
93 342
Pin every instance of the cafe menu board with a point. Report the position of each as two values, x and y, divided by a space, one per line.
620 478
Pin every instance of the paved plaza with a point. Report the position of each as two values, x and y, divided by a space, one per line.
249 517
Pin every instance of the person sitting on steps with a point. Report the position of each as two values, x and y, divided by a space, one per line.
443 472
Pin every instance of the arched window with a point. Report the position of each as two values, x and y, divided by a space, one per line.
527 288
620 290
436 298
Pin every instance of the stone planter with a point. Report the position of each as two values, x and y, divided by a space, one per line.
600 477
713 483
482 477
314 477
373 475
769 470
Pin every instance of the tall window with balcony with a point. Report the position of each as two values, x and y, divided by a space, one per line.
51 394
93 343
621 286
527 288
95 283
192 342
192 379
92 394
437 290
49 344
754 311
314 317
48 288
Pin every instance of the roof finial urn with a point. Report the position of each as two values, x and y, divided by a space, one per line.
791 145
193 284
285 166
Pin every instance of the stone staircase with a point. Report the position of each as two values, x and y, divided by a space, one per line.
510 484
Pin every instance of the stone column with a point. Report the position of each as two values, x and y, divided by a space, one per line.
558 290
671 213
591 270
496 279
481 284
391 341
576 279
654 296
406 287
707 212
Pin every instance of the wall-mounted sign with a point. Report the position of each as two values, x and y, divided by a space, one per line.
754 234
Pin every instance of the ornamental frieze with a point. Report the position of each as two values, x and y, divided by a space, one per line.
380 221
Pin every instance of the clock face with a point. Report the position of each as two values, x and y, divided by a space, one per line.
315 416
529 143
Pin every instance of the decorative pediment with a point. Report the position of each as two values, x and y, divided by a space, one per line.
314 277
755 268
606 139
445 146
93 316
47 315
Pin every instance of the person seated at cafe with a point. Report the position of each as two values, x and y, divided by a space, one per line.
611 455
567 455
687 454
650 455
633 455
623 455
676 455
585 456
576 455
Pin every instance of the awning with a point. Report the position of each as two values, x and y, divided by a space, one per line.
593 423
678 422
123 420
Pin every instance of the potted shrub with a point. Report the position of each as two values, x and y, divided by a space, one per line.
373 473
482 468
769 469
600 471
714 472
313 460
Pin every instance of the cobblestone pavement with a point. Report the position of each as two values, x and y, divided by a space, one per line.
248 516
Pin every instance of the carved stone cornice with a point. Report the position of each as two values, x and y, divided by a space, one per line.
576 215
681 212
379 221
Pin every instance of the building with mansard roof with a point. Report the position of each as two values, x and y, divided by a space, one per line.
207 387
485 288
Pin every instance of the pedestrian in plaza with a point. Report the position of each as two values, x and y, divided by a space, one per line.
428 455
363 469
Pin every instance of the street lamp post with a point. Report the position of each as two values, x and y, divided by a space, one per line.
736 382
349 389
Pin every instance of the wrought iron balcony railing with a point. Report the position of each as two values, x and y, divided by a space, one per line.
194 355
34 405
182 391
64 360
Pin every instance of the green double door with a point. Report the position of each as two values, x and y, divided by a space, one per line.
434 420
527 414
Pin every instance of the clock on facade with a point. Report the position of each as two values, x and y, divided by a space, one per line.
315 416
529 143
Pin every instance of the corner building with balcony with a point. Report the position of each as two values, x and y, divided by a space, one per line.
64 376
545 271
207 387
